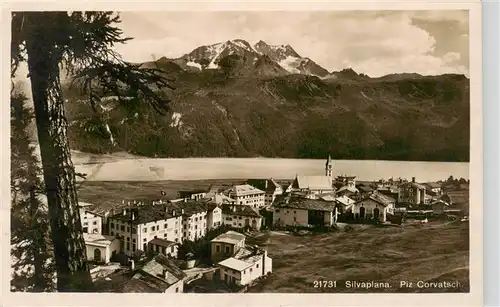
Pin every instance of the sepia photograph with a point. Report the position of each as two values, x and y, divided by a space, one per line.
241 151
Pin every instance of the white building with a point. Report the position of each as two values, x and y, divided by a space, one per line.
241 264
91 221
241 216
375 206
304 212
175 222
314 185
269 186
214 216
246 194
164 247
101 248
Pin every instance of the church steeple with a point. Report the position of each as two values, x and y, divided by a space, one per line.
329 167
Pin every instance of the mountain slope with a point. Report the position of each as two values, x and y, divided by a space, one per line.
257 108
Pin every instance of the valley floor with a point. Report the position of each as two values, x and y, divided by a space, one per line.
425 253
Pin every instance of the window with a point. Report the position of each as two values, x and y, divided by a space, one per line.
144 246
164 235
277 210
145 229
195 226
176 232
196 219
156 237
185 226
257 265
227 249
177 289
133 240
85 224
133 247
122 227
250 270
112 234
158 227
239 224
217 248
128 229
153 228
184 233
165 226
128 246
128 239
112 226
239 217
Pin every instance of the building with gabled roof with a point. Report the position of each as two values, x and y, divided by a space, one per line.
237 262
157 275
241 216
245 194
413 193
270 186
374 206
293 210
312 184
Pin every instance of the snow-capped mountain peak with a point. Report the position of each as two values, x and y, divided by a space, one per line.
208 56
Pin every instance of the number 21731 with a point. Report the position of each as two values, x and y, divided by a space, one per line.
325 284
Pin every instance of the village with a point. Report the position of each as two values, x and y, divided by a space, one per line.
204 240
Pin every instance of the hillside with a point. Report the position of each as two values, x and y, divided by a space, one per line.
242 103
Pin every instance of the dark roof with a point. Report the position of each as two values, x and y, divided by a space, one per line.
305 203
267 185
160 211
415 185
365 188
433 185
379 198
162 242
147 279
242 210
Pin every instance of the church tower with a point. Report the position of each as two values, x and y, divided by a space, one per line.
329 168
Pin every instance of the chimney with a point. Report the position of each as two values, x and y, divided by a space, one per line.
413 179
124 212
132 265
266 183
165 274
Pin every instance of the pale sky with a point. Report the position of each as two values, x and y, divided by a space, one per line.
372 42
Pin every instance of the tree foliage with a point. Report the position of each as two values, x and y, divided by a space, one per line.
81 43
31 251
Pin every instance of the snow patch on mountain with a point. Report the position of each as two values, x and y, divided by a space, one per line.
176 120
290 63
194 64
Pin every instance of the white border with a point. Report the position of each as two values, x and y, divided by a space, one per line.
473 298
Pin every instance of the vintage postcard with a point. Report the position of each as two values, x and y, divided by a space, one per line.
242 153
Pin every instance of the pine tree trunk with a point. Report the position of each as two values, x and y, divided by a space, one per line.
58 171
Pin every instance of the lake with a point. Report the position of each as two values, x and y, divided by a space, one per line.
125 167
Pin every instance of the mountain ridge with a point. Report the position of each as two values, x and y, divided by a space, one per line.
232 101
